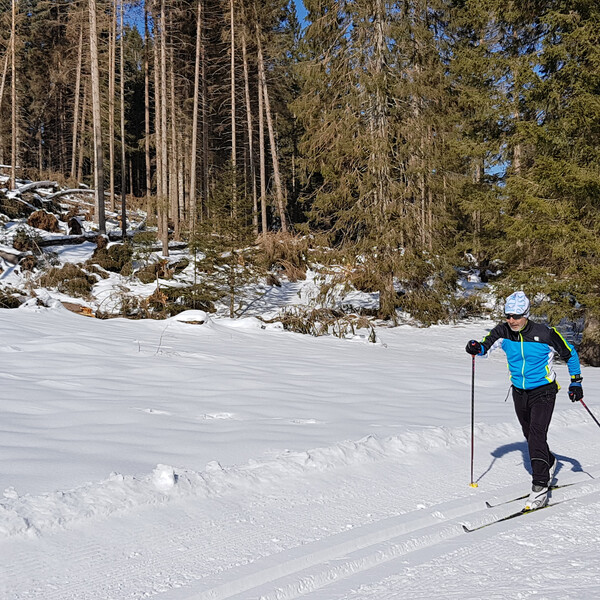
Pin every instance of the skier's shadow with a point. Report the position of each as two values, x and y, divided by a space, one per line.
523 449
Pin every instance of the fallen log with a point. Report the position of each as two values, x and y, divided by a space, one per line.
72 191
36 184
12 258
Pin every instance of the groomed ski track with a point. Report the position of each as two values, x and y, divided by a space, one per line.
319 535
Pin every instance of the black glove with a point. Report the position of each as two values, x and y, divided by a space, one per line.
473 347
576 389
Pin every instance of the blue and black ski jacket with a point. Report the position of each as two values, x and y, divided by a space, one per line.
530 352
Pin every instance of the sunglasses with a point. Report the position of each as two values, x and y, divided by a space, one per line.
514 317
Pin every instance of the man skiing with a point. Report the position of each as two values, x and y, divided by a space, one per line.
530 348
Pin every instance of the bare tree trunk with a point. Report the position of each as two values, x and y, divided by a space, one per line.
123 148
262 159
76 107
250 134
149 209
4 72
130 176
40 154
84 109
181 178
279 195
163 123
233 107
205 166
99 216
173 154
158 128
112 69
14 112
62 143
194 158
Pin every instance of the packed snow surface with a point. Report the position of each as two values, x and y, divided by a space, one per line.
201 458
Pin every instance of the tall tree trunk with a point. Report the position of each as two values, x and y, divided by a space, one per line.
40 153
84 108
173 154
250 134
4 72
181 177
279 195
112 71
99 216
149 208
14 112
262 160
123 147
194 152
158 129
233 131
76 106
205 145
163 123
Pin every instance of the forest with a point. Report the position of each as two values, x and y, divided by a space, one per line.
413 139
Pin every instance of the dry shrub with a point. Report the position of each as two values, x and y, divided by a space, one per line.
324 321
72 212
75 227
27 242
101 242
116 259
96 270
286 253
40 219
154 271
364 279
9 298
179 266
70 279
192 297
273 280
12 208
29 263
157 300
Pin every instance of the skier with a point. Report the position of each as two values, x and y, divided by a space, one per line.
529 349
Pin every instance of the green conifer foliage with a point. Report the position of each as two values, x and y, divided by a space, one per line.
375 108
553 221
226 261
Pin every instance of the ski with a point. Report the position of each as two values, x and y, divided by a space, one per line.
551 488
514 515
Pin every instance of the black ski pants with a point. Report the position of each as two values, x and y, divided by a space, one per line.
534 410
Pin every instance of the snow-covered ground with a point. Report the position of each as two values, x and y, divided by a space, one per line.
229 460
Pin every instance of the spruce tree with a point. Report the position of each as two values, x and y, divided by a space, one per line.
554 246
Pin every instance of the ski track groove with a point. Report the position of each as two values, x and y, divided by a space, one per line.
169 557
311 571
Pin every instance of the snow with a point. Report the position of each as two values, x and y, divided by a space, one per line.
204 457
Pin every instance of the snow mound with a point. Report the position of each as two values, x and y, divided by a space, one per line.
191 316
32 515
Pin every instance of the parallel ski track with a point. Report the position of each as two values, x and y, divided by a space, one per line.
176 564
301 571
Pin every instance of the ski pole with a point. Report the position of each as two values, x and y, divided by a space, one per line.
591 415
473 483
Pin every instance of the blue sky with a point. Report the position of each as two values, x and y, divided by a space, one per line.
134 15
300 10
